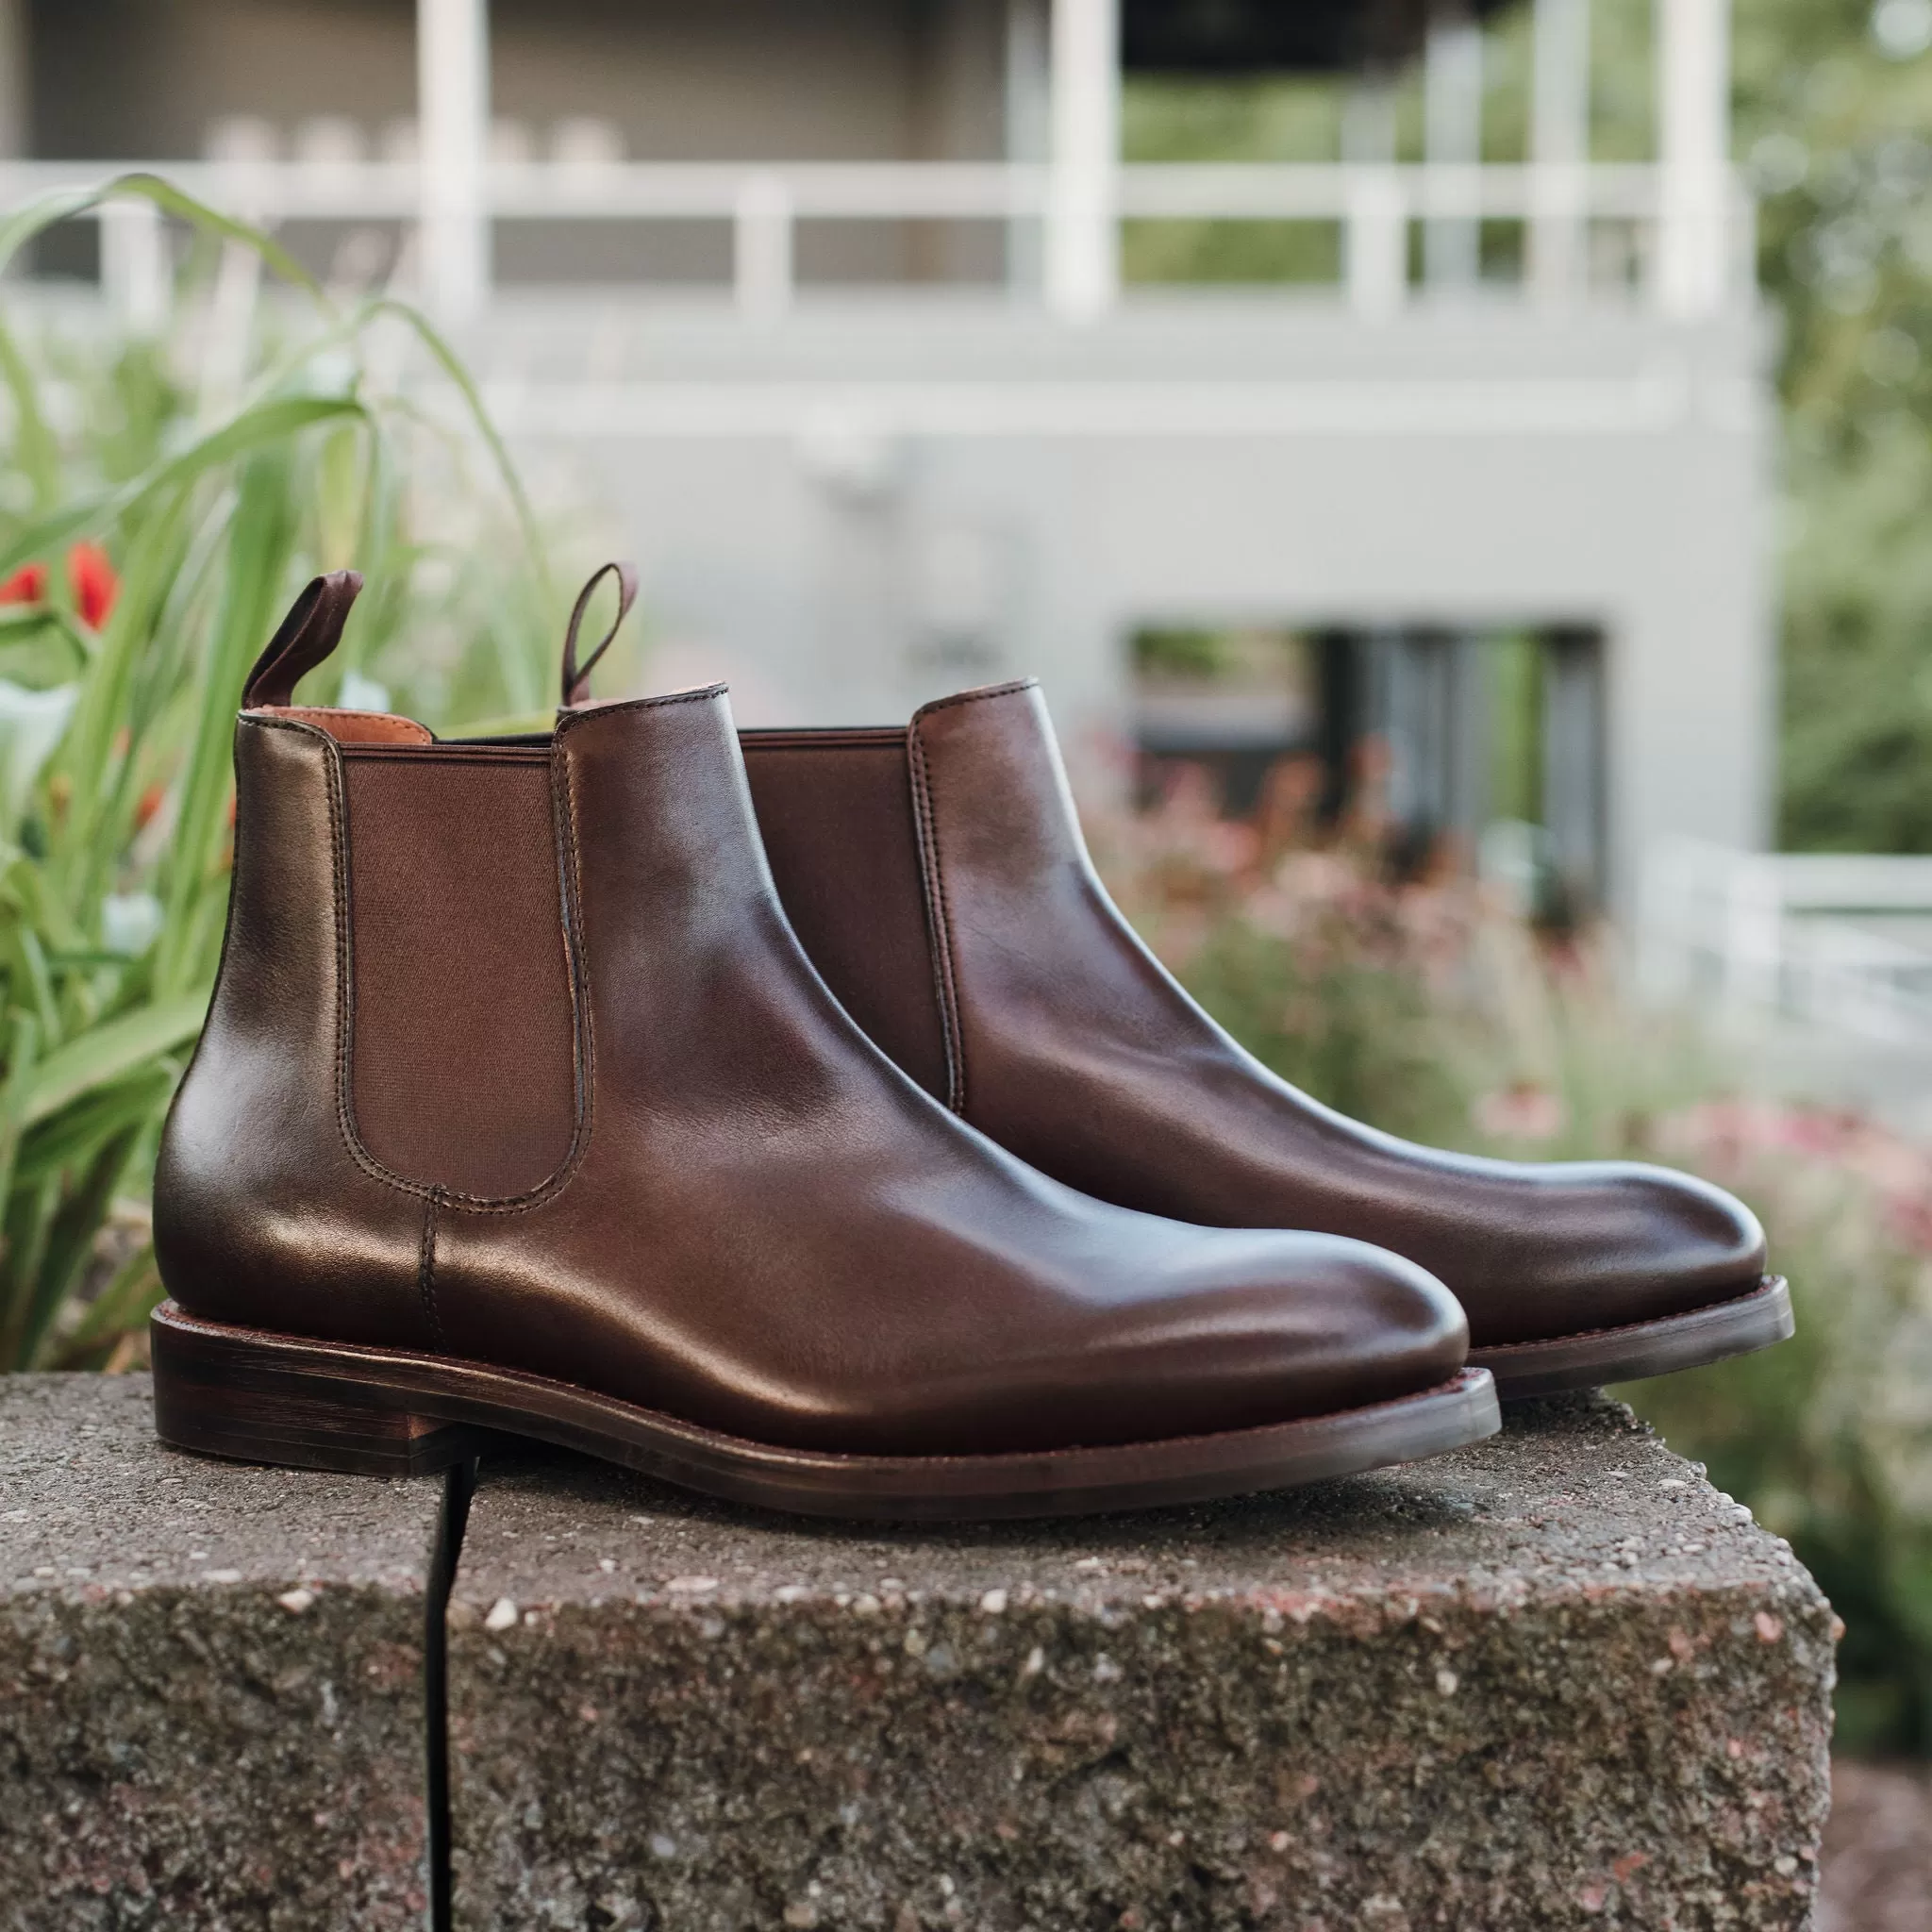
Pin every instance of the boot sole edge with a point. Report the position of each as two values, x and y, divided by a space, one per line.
1747 1322
252 1395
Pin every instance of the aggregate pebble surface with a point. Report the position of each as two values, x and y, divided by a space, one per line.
1552 1680
211 1680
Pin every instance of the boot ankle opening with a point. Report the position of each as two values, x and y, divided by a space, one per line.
354 727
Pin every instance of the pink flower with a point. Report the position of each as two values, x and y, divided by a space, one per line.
1520 1112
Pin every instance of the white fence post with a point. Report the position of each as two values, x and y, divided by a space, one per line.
134 264
1083 235
1375 243
1559 150
1451 141
453 112
1375 227
761 234
1694 154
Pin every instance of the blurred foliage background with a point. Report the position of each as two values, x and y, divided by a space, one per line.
162 500
1833 119
1433 1010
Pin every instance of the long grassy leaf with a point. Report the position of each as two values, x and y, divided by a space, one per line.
71 1232
29 624
264 427
452 366
88 754
22 1051
257 558
129 1297
30 1209
108 1052
37 454
72 1134
20 228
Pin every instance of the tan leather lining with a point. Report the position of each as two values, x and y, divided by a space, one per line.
354 727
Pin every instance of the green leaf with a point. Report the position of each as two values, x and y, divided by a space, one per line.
129 1297
29 624
39 456
261 538
76 1133
108 1052
264 427
452 366
64 203
23 1050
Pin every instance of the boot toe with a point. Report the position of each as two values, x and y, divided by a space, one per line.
1709 1242
1621 1242
1275 1327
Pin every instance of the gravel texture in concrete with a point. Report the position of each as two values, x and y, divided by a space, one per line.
1552 1680
211 1680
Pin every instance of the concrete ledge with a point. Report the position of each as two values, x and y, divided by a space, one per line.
212 1704
1554 1680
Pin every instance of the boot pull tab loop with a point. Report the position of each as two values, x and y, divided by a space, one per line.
311 631
577 678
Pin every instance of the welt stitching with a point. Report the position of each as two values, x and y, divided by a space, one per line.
426 1267
939 924
345 1123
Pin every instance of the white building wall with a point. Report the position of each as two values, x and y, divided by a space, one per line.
1517 471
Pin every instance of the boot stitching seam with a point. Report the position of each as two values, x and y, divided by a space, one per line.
939 923
426 1267
974 697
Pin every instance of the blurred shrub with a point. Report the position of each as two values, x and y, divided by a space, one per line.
160 502
1834 106
1433 1010
1833 124
1829 1437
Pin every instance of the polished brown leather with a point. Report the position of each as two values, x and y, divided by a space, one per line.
754 1221
1065 1041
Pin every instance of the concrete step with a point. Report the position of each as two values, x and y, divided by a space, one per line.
1554 1680
212 1704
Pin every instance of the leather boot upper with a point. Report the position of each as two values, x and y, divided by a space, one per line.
515 1058
1039 1015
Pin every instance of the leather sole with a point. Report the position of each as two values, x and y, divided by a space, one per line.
259 1397
1642 1349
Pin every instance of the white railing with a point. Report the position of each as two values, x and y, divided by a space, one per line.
1840 942
1372 205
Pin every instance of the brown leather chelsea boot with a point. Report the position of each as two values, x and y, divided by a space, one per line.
938 878
520 1108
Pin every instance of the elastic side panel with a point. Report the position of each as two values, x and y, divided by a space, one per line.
463 1072
834 812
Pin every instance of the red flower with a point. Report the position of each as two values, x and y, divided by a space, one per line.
94 583
27 585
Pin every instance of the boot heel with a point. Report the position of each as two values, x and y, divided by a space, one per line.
259 1400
